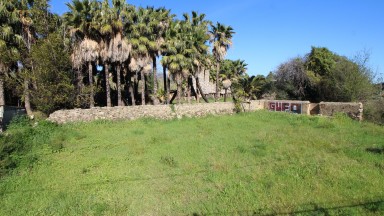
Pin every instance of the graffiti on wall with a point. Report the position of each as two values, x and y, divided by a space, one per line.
285 107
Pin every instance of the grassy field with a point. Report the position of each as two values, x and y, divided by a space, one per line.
245 164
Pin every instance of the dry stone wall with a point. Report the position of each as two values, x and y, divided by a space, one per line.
193 110
203 109
112 113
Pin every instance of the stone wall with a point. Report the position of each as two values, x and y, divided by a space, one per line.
112 113
196 110
353 110
203 109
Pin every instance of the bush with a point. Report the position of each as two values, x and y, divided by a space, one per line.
374 111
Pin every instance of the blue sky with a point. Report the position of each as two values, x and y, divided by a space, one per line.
269 32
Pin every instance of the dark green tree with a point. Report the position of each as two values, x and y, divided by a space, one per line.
52 74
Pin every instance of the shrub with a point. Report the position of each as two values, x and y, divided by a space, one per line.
374 111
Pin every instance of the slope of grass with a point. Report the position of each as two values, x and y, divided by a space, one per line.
253 163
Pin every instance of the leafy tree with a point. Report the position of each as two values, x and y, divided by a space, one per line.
292 78
320 61
52 74
324 76
346 81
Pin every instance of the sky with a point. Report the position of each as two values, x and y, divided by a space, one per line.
270 32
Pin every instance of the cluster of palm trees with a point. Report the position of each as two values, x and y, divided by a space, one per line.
16 39
115 45
128 41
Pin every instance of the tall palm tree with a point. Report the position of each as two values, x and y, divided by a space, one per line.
199 37
159 22
139 31
230 72
29 36
82 26
10 42
178 59
116 48
221 38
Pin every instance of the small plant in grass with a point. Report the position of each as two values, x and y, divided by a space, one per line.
169 161
375 207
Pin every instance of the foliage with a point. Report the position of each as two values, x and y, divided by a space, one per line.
248 88
320 61
374 110
251 163
292 78
347 81
325 76
52 75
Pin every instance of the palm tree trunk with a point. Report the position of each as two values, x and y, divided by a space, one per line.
197 95
118 74
154 66
130 88
136 85
179 89
142 87
225 96
217 82
79 81
189 89
166 97
2 101
168 88
27 100
107 86
200 90
90 74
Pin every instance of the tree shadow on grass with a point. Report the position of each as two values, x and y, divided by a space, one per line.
374 207
375 150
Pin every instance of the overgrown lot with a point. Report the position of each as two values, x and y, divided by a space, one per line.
253 163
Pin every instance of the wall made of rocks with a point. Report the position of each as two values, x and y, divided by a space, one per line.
112 113
203 109
354 110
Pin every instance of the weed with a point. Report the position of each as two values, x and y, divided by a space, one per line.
169 161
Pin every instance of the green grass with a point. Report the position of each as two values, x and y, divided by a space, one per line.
245 164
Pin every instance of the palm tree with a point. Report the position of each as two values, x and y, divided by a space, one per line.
82 26
160 21
139 31
178 59
221 37
29 36
246 87
198 38
116 48
10 42
231 71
